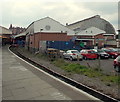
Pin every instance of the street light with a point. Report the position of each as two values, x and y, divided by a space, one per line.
118 39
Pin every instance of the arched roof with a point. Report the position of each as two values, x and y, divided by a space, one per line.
95 21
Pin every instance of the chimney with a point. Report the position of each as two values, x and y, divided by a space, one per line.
66 24
10 26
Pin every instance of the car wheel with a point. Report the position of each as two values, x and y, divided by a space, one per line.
80 59
117 68
112 57
71 58
85 58
98 57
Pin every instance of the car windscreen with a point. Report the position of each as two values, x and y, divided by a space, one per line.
101 51
107 50
74 52
114 50
91 52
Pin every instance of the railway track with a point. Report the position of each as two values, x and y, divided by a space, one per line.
74 83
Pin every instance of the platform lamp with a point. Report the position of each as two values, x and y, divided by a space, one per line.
39 39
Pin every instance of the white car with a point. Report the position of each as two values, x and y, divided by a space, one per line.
73 55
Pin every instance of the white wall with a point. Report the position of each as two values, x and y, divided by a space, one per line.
30 29
5 30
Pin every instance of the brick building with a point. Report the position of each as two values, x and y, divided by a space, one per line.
94 37
93 31
43 30
5 35
16 30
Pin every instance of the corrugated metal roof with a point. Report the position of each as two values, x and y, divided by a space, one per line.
92 31
84 20
21 34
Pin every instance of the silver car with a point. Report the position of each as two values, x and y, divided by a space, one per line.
73 55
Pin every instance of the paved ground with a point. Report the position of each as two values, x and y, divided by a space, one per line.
21 81
0 73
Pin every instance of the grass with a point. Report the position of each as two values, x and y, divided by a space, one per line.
80 69
90 72
42 56
60 63
76 68
111 79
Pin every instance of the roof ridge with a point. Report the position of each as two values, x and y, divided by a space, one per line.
84 19
5 28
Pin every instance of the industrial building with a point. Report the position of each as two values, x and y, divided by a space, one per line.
42 33
98 29
49 33
95 21
5 35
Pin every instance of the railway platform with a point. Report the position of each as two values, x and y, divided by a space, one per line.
20 81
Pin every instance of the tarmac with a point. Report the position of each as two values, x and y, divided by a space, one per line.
21 81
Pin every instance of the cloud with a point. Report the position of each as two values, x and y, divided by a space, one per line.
22 12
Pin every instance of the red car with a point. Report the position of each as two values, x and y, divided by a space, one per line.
113 53
117 64
88 54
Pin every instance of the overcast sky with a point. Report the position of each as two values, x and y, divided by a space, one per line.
23 12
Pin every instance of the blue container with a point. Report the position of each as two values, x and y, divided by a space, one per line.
62 45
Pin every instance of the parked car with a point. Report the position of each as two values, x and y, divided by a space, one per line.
73 55
117 64
112 52
102 54
88 54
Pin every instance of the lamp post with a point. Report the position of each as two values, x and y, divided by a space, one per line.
39 39
118 39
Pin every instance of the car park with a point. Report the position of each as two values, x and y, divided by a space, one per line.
113 53
73 55
117 64
88 54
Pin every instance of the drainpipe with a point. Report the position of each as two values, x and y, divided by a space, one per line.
39 40
93 40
